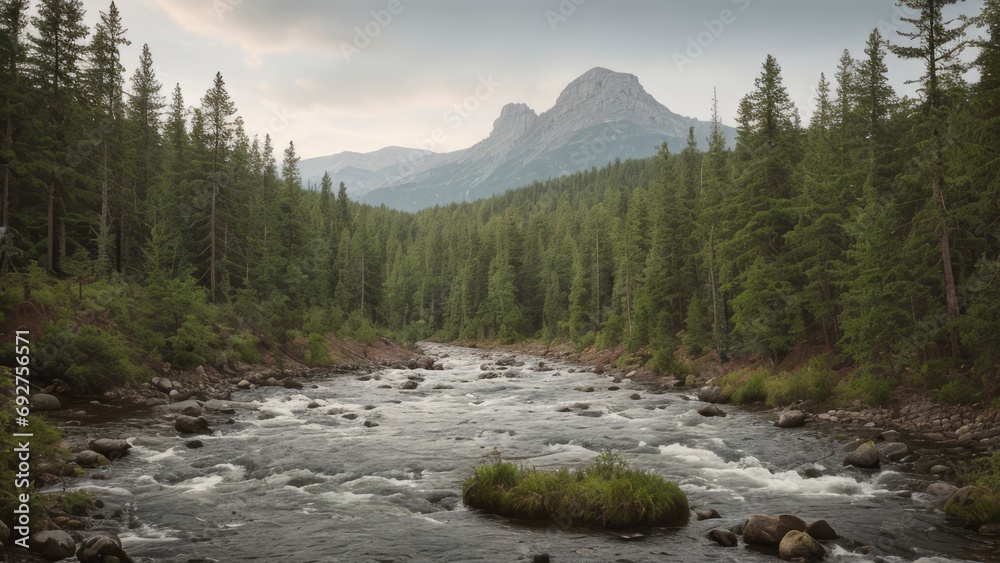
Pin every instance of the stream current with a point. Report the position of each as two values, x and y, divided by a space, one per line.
297 477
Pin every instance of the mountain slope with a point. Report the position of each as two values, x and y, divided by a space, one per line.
598 118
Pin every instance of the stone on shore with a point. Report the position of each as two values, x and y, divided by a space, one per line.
98 549
791 419
45 402
187 408
941 489
53 544
725 538
709 394
822 531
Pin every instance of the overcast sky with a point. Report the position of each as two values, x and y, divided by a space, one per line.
336 76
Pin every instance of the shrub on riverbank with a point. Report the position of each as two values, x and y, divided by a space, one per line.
607 494
816 381
981 505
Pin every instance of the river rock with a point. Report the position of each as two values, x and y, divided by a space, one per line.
962 498
635 396
349 416
111 449
97 549
585 389
190 424
709 393
941 489
224 407
370 423
892 451
53 544
408 384
272 382
990 529
187 408
725 538
800 546
711 410
707 514
822 531
791 419
243 384
292 383
865 456
765 529
45 402
90 458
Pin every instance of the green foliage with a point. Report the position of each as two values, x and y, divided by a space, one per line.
88 358
814 381
242 346
612 333
46 454
77 502
359 328
960 392
317 354
873 389
607 494
193 344
982 506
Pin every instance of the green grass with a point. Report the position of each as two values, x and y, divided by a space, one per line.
606 494
983 506
815 380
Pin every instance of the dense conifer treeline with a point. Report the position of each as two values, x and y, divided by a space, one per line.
873 229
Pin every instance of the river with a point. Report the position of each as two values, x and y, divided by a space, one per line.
295 476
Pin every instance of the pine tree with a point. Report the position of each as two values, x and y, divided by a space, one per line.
939 44
54 62
13 20
105 84
218 110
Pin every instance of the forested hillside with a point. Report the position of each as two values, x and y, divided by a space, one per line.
144 229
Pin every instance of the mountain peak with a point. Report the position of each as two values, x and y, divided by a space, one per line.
608 94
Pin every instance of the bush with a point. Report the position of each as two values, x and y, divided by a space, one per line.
77 502
90 360
814 381
612 333
193 344
959 392
359 328
663 361
242 346
874 390
607 494
317 355
982 506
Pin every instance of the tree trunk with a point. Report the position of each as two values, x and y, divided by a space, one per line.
50 251
950 291
9 143
211 242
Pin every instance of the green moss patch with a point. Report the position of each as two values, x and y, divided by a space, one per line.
606 494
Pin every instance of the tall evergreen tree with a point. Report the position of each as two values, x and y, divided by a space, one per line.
939 43
218 110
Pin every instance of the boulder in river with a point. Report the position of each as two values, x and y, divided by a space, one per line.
292 383
892 451
585 389
822 531
52 544
865 456
709 393
725 538
941 489
188 408
45 402
408 384
109 448
791 419
190 424
768 530
90 458
711 410
800 546
96 549
707 514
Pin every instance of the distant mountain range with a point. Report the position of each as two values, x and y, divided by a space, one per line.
599 117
